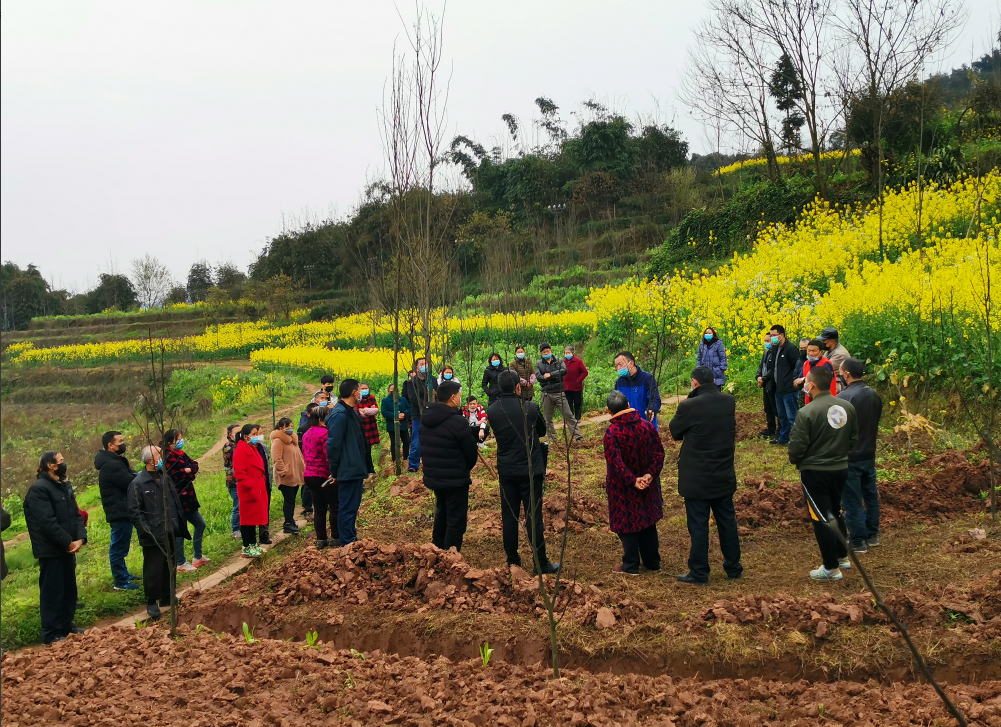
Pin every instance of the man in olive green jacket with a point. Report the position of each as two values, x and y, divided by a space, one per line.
825 431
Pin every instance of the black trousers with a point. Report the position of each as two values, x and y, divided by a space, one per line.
642 546
263 529
307 499
697 512
576 401
325 501
516 494
451 509
56 595
156 572
825 488
404 439
288 501
771 412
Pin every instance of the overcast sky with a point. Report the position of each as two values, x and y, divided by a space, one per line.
188 129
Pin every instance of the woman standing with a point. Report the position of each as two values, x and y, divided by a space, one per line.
289 466
264 537
227 465
316 473
182 470
490 386
368 410
251 487
573 382
525 368
712 355
403 415
57 532
448 374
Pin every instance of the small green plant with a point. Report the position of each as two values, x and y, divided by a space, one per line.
357 654
312 641
142 623
248 634
824 711
485 653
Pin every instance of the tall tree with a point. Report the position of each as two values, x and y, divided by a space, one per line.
786 89
113 291
199 281
151 281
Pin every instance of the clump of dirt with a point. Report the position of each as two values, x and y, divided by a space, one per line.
585 512
115 678
750 424
764 501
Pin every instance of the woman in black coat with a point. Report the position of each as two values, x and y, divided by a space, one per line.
494 368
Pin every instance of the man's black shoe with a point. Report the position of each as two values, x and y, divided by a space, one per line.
777 441
691 580
547 568
55 639
290 529
321 544
765 433
265 538
736 577
77 630
153 611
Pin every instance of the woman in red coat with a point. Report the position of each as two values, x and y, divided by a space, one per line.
251 488
573 381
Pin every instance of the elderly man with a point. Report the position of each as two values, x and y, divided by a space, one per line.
634 457
706 424
836 353
154 509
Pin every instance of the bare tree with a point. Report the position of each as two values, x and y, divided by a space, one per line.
151 280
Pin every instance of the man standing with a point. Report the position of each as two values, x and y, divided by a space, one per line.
706 424
349 467
639 387
860 497
549 373
449 456
784 373
521 468
114 475
825 431
836 353
634 457
155 511
766 382
418 389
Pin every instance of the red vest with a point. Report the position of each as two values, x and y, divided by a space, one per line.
823 360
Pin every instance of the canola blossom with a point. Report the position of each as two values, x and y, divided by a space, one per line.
762 161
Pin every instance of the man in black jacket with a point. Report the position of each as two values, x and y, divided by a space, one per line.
706 422
786 357
860 498
57 532
418 389
114 475
154 509
449 452
517 431
766 382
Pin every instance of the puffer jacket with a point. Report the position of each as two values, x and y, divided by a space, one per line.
556 368
153 503
288 461
53 517
314 452
448 449
114 475
713 356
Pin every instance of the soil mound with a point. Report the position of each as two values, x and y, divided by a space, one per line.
118 677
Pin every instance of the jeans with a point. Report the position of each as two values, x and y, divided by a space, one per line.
451 508
121 542
697 514
576 401
234 520
349 500
198 522
325 501
825 488
395 447
860 501
771 411
156 573
415 446
56 595
516 493
786 406
643 545
551 402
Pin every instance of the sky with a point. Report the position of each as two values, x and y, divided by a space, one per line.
196 129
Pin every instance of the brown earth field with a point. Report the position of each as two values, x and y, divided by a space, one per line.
400 624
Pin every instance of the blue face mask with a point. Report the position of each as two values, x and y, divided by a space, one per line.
495 362
179 444
813 359
424 369
520 354
775 340
623 371
364 393
547 356
159 464
768 345
447 376
568 356
256 440
707 336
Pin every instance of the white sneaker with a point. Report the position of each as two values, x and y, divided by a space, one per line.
822 574
186 568
844 562
236 535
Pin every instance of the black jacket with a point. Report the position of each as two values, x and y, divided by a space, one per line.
766 369
53 517
784 372
490 386
448 449
150 506
557 369
868 409
706 422
114 477
509 428
416 391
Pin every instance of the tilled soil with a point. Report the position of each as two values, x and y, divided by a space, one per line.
126 677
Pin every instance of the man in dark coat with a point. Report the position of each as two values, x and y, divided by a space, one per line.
114 475
419 390
57 533
634 457
784 362
347 460
155 511
706 424
517 431
860 498
449 453
766 382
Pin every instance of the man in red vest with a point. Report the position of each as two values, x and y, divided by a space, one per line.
814 359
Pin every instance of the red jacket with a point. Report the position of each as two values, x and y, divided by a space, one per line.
824 361
369 424
576 373
632 448
251 487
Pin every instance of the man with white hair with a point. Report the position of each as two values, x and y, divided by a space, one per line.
154 509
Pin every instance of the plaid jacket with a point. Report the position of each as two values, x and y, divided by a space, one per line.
369 424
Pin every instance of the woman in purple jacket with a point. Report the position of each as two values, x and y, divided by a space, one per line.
712 355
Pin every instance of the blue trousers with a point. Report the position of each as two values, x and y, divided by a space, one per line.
234 520
121 542
198 522
415 446
786 406
860 501
348 502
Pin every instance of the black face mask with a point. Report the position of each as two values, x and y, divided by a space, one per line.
61 470
802 355
122 447
328 389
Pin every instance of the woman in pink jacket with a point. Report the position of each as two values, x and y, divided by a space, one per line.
316 473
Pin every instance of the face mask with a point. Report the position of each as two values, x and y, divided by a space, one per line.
364 393
424 369
290 431
328 388
158 465
568 356
495 363
61 470
775 340
707 336
179 445
520 354
813 359
768 345
122 448
547 356
322 404
256 440
447 377
623 371
808 392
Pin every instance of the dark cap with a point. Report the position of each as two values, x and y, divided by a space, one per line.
828 334
543 347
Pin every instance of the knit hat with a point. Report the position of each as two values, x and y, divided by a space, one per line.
543 347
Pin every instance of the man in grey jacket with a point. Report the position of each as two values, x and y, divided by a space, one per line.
861 498
549 373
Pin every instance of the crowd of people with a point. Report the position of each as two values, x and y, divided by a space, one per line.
814 399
